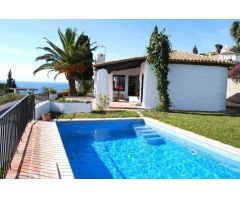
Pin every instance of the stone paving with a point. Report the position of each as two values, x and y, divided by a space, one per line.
40 154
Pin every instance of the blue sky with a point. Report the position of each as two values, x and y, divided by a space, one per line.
122 38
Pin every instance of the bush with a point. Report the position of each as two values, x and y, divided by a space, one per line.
63 100
49 90
9 97
52 91
103 102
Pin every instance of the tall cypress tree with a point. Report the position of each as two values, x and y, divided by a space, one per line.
10 81
158 55
195 50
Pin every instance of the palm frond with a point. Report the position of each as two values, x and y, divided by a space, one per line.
43 67
57 75
52 70
45 57
56 48
50 51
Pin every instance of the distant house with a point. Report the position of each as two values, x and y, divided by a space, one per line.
227 54
233 89
197 82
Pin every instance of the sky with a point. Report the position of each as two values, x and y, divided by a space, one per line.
19 40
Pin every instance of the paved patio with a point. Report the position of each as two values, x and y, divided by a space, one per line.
40 154
124 105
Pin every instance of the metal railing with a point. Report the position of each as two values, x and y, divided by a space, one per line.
41 97
12 125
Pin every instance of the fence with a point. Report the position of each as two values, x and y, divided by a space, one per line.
12 125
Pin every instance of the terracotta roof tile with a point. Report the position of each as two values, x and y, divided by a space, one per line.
178 57
185 57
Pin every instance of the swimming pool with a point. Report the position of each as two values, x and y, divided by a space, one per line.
138 149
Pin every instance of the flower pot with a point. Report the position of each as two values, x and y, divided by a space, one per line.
46 117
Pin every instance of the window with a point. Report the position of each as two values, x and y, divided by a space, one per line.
119 82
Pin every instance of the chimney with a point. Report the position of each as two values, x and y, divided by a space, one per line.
100 58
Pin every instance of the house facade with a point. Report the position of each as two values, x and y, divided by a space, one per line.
233 88
197 82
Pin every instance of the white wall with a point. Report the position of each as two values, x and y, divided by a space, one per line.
142 68
95 82
70 107
150 93
42 108
198 87
192 87
110 87
47 106
232 88
53 96
102 82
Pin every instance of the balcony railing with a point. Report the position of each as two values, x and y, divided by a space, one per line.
12 125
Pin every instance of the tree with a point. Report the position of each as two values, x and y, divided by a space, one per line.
85 78
195 50
218 47
85 81
158 55
235 32
10 81
235 49
74 58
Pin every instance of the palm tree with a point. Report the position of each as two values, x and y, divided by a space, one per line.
74 57
235 31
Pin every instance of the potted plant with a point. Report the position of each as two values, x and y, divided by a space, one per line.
46 117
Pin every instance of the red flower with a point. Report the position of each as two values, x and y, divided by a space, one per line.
120 88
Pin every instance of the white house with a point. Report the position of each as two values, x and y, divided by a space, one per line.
197 82
233 88
227 54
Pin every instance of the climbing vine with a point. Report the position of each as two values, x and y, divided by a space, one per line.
158 55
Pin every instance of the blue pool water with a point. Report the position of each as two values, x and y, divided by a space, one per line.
134 149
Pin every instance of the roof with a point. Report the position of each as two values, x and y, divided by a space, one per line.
191 58
176 57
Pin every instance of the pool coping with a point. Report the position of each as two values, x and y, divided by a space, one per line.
191 135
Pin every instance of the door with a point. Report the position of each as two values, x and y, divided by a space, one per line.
133 86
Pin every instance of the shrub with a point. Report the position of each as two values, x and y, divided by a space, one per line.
9 97
49 90
52 91
63 100
103 102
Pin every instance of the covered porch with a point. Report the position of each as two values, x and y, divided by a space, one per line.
122 81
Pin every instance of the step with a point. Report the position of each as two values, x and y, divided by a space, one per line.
143 129
155 141
149 135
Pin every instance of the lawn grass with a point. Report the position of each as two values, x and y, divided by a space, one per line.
95 114
218 126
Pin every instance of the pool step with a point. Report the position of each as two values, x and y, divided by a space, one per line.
150 135
155 141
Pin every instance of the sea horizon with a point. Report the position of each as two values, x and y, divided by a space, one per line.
59 86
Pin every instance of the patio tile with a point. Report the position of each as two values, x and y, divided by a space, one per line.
38 152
